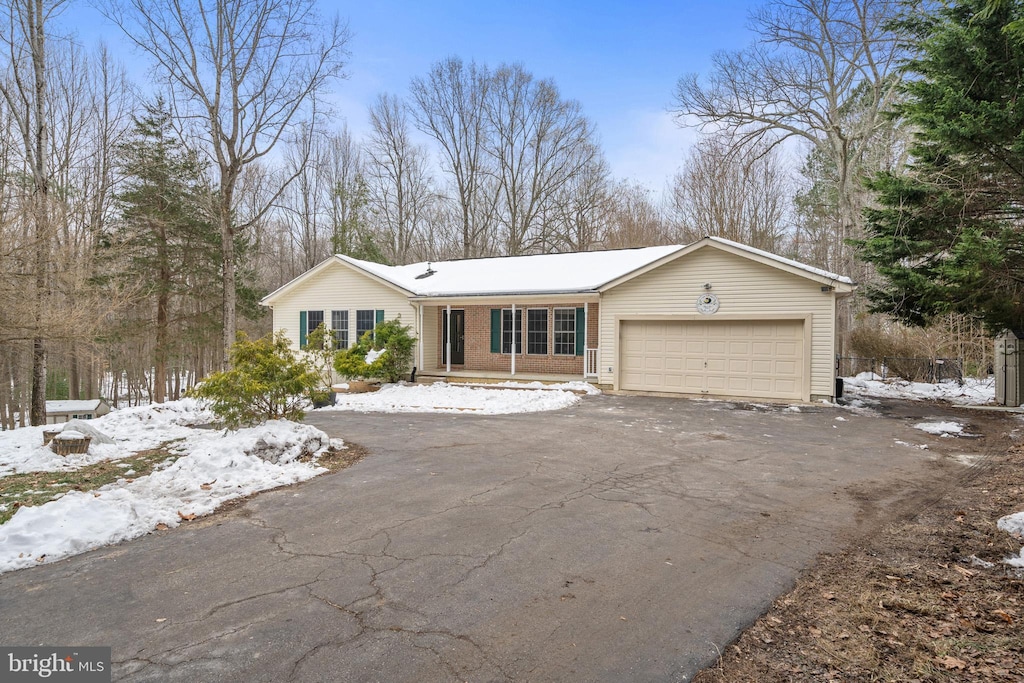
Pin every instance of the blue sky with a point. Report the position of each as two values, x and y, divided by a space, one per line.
619 59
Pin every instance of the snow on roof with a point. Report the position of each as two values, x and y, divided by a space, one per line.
85 406
540 274
780 259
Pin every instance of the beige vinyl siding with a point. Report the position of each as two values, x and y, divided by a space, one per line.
745 289
338 287
431 339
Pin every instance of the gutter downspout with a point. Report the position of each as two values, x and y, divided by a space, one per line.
586 346
448 338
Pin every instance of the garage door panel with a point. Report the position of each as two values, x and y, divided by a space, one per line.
759 359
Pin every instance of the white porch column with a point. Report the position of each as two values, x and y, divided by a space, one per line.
448 338
513 339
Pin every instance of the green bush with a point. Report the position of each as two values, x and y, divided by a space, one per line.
266 382
319 353
389 337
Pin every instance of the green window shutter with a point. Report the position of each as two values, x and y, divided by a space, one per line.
302 329
581 330
495 330
380 316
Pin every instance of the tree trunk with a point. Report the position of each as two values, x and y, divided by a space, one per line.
74 379
162 301
227 241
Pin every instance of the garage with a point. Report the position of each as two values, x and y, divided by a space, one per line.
749 358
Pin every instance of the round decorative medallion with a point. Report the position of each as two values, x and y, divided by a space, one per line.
707 304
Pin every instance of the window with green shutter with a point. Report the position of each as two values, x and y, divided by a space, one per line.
565 332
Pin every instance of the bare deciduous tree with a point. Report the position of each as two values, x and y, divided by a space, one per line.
739 194
813 61
25 88
450 106
636 220
538 143
400 188
242 74
582 210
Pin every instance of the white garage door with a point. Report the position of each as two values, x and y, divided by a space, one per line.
757 359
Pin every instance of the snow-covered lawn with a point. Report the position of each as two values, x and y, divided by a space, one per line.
972 392
206 468
441 397
133 430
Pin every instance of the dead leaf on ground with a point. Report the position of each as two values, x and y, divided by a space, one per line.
161 527
187 518
951 662
1003 615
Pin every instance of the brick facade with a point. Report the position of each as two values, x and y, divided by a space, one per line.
478 341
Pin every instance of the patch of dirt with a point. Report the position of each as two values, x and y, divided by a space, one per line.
336 460
926 598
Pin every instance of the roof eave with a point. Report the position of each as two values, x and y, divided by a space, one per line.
519 293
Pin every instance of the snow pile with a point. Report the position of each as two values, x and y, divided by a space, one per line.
221 467
441 397
1014 524
940 428
972 392
373 354
578 386
132 429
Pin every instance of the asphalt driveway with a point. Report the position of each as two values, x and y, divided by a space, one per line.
626 538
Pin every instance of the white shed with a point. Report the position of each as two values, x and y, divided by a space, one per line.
62 411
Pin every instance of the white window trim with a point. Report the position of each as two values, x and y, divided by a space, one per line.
347 329
547 328
555 332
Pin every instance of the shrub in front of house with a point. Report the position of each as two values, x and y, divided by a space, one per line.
267 381
385 353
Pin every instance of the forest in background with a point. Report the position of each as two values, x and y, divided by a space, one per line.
140 223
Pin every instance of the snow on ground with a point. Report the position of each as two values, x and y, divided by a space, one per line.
972 392
945 428
578 386
218 466
1014 524
441 397
133 430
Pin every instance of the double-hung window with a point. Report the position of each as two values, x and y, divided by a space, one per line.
507 328
565 332
537 331
339 324
365 322
315 319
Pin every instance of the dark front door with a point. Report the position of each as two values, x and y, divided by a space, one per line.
457 324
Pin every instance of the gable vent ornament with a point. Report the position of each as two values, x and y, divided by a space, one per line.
707 304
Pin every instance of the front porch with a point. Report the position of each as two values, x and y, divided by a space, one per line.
529 339
488 376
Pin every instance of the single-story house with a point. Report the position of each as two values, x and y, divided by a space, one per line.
62 411
710 318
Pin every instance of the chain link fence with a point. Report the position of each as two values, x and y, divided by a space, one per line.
911 369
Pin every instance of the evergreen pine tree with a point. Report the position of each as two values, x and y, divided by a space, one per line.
948 236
